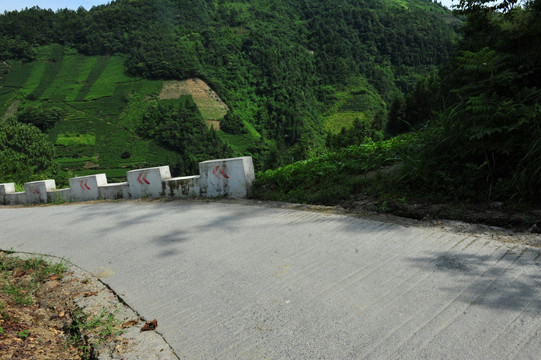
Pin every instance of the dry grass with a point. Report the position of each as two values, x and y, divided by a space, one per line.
209 103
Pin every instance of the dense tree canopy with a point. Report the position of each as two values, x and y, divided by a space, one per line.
487 137
183 131
268 59
25 152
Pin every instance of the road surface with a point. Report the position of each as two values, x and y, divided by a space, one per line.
236 281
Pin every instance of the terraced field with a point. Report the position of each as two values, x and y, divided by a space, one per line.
101 108
360 101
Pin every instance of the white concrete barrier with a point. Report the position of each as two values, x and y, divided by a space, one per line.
59 195
114 191
228 177
16 198
182 187
8 188
85 188
36 191
148 182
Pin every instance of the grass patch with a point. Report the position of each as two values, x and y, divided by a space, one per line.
99 328
76 139
105 83
361 101
335 122
133 111
93 75
17 76
150 87
36 70
66 82
27 274
54 64
81 73
239 143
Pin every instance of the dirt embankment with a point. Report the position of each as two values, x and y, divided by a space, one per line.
212 108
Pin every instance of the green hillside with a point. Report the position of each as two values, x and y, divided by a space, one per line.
100 108
464 143
311 89
288 73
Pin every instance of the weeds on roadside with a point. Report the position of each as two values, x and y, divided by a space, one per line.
23 334
102 327
58 200
28 273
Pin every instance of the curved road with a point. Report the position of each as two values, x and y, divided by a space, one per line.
236 281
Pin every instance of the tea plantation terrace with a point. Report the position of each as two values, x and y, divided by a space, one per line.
224 177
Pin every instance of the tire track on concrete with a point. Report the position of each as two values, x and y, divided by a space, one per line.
475 310
375 301
397 300
401 340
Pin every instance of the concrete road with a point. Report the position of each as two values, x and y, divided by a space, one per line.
233 281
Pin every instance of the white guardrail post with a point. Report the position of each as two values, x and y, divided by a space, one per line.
147 183
227 177
86 188
8 188
36 191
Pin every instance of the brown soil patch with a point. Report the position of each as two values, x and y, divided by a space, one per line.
35 324
508 217
91 165
213 124
209 103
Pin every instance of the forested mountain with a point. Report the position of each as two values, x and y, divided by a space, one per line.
467 139
481 113
289 73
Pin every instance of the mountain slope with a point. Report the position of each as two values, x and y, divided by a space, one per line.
287 72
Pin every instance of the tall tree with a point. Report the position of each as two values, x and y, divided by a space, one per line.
25 152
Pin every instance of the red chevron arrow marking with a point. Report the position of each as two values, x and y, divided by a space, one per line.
36 192
143 178
84 185
219 171
224 174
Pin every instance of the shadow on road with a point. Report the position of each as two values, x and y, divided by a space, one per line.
169 243
511 282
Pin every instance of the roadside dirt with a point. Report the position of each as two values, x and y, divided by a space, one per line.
508 217
72 316
36 325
